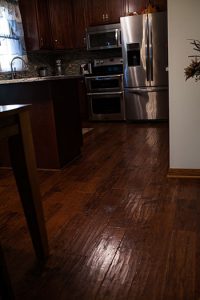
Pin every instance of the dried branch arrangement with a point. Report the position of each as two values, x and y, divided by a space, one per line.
193 70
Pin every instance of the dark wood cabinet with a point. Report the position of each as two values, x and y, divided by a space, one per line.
105 11
43 25
60 14
139 5
115 10
83 101
162 4
35 19
47 24
61 24
28 11
97 12
80 23
135 6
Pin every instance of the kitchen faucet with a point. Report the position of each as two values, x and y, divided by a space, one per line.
13 70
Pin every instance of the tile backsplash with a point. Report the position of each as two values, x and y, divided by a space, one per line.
70 60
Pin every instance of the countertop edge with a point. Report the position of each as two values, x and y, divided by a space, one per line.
37 79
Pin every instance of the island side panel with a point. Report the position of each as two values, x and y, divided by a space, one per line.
42 119
65 96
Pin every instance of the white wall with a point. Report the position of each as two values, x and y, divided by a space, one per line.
184 96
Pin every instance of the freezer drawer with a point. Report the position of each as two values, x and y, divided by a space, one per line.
146 104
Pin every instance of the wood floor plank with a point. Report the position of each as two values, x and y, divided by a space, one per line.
179 280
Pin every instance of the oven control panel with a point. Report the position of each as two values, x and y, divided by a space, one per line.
107 66
108 61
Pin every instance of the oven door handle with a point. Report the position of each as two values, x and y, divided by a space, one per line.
104 77
105 93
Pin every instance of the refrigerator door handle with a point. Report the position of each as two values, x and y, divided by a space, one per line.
147 48
147 90
151 48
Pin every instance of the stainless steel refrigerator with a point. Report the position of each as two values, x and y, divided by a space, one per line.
145 59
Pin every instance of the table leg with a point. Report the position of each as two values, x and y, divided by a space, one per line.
24 167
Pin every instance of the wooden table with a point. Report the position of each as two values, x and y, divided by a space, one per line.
15 127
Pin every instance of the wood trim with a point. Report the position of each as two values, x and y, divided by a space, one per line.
183 173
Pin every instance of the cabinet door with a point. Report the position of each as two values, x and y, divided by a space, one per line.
97 12
114 10
80 22
43 25
139 5
35 21
29 20
135 6
106 11
60 12
161 4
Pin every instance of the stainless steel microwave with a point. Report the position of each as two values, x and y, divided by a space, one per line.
103 37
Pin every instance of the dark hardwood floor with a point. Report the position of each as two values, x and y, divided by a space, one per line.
117 227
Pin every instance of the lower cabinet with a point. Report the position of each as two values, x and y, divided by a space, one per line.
83 101
55 119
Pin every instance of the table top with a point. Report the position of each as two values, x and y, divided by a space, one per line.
6 110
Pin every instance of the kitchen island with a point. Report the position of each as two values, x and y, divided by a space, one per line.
55 117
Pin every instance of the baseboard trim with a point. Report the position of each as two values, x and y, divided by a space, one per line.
184 173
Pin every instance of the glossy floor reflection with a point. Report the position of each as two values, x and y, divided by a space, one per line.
117 227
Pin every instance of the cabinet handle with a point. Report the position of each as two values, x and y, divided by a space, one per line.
84 40
56 41
103 17
106 17
41 42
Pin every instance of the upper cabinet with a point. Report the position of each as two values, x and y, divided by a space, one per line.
80 23
60 15
139 5
61 24
97 12
134 6
47 24
105 11
115 10
101 12
162 4
43 25
35 31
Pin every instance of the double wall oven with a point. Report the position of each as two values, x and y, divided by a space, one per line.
105 90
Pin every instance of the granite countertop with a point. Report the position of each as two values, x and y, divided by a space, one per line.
36 79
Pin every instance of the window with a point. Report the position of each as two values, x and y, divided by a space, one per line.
11 35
